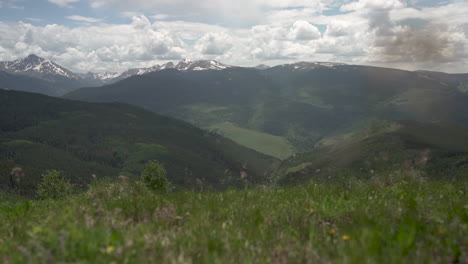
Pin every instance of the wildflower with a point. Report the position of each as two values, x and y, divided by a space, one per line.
442 230
37 229
110 249
332 232
345 237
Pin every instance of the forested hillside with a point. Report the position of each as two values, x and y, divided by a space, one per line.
436 150
87 140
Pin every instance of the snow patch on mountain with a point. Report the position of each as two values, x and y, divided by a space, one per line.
311 65
34 65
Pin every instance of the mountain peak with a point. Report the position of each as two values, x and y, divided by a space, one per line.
36 66
262 67
200 65
34 57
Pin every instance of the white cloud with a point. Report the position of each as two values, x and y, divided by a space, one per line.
378 32
214 43
63 3
240 12
110 47
303 30
372 4
84 19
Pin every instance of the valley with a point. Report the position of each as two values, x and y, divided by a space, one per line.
297 163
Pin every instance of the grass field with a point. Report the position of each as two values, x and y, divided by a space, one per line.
264 143
385 220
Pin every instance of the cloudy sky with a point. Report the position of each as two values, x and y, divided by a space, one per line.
113 35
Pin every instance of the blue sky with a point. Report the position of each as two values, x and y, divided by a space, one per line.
113 35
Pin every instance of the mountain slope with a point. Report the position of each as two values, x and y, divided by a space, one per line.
37 67
28 84
438 149
300 103
39 132
51 78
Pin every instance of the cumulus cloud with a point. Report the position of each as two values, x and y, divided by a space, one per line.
375 5
337 28
378 32
282 42
214 43
303 30
63 3
105 46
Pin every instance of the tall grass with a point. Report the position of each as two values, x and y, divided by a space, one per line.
390 220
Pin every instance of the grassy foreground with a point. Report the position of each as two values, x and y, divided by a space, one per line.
384 220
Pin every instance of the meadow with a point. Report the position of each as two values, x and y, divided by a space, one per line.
395 218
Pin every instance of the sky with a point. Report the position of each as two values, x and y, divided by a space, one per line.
114 35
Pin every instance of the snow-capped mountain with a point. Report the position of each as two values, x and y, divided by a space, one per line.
101 75
303 65
141 71
60 80
35 66
262 67
184 65
200 65
99 78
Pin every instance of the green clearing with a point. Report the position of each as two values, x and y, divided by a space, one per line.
298 167
264 143
410 220
205 108
463 87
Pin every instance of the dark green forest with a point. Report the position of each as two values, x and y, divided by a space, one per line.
88 140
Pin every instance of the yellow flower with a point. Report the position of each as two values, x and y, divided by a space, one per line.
332 232
110 249
37 229
345 237
442 230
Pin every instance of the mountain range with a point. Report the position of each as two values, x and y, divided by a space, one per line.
219 126
276 110
60 80
290 108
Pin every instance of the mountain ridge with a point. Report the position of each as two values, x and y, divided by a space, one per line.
35 66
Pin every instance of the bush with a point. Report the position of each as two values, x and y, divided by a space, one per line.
154 177
53 186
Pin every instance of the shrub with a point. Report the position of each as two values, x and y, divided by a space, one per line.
53 186
154 177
